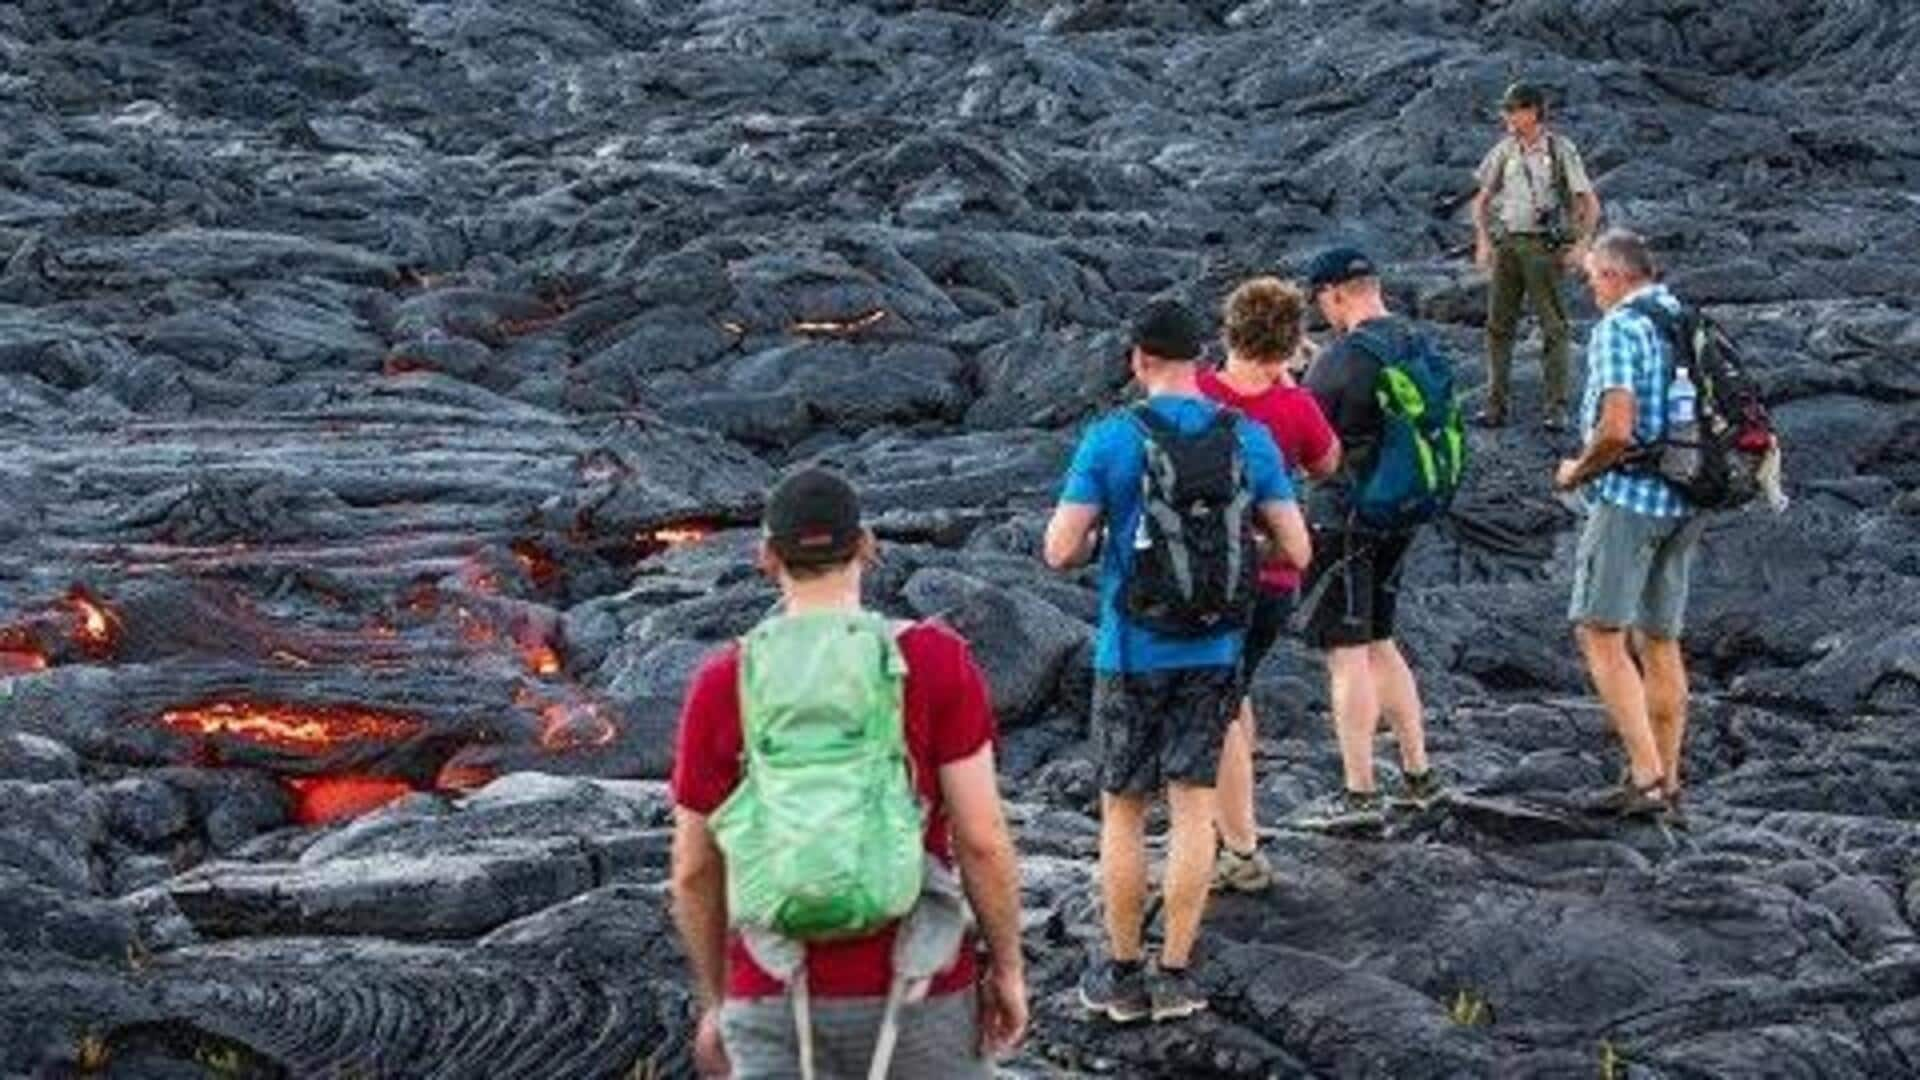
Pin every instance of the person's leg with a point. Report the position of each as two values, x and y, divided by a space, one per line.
1618 683
1400 703
1663 616
1234 791
1129 732
1393 681
1549 305
1666 683
1356 712
1189 874
1504 295
1612 560
1123 872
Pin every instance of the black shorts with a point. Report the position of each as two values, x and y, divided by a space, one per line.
1352 587
1154 728
1270 614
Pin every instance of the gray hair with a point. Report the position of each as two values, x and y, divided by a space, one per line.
1627 252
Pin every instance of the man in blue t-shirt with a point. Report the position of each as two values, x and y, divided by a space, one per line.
1161 704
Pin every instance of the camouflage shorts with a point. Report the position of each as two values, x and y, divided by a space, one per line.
1155 728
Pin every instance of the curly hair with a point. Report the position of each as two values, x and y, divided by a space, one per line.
1263 317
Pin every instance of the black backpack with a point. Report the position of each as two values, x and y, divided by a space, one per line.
1195 561
1717 468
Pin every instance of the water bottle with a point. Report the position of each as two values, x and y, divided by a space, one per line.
1682 456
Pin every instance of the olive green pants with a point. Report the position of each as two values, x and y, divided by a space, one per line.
1526 268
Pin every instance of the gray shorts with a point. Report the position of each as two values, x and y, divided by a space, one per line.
938 1038
1630 571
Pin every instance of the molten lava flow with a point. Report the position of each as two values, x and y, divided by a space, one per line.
98 628
318 800
569 725
307 729
463 776
541 659
679 536
19 655
838 326
540 567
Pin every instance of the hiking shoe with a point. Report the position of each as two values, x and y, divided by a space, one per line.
1120 996
1553 424
1250 873
1173 995
1419 790
1349 811
1490 418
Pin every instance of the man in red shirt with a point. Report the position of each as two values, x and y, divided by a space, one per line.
815 547
1261 323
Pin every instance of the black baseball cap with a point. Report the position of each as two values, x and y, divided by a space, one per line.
1523 95
1169 330
813 518
1337 266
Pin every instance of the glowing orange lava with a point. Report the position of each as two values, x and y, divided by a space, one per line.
98 627
838 326
538 565
307 729
21 659
678 535
318 800
565 726
541 659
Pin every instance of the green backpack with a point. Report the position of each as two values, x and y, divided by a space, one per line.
822 837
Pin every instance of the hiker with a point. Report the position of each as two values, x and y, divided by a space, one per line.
1185 489
1635 552
1532 217
1364 519
817 902
1261 328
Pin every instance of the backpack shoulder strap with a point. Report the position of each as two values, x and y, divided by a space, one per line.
1562 180
1150 420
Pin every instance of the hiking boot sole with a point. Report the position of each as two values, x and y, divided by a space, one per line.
1358 826
1119 1014
1163 1013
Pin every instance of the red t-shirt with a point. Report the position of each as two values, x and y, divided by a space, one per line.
947 720
1299 428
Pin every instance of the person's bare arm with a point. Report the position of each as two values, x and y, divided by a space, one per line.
700 903
983 848
1070 534
1288 529
1611 439
1482 238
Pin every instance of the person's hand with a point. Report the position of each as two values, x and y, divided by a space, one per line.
1574 256
1483 254
1565 477
1003 1010
709 1053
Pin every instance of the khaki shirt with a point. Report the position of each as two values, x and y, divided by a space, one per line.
1521 180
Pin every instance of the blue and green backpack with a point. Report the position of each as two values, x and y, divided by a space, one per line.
1423 445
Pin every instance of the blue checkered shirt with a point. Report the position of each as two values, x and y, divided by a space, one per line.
1627 352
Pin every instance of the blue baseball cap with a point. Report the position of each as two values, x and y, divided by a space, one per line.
1336 266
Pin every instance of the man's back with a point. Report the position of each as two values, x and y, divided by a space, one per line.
1106 472
1344 381
1628 352
947 719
